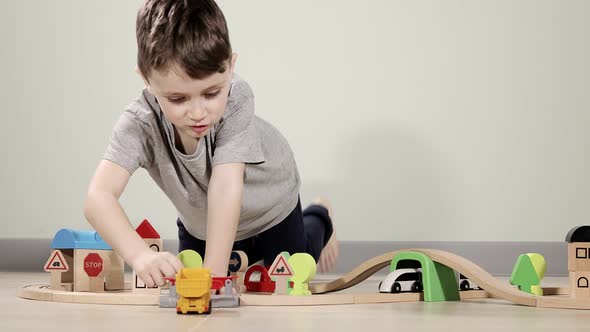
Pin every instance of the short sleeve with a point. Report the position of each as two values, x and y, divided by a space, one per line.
237 139
129 144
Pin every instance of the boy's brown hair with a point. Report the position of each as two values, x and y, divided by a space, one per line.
189 33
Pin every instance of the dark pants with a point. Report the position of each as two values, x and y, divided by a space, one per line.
302 231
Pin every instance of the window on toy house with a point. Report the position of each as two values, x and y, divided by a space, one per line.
581 253
582 282
155 247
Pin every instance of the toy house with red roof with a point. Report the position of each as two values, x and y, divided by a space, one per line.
153 240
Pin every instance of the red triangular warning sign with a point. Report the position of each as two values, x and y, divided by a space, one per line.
56 262
280 267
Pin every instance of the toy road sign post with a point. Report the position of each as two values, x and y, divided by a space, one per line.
93 266
281 271
56 262
238 263
56 265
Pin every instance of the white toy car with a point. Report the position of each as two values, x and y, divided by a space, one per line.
466 284
402 280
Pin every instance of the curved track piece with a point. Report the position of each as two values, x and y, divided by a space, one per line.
472 271
44 293
357 275
482 278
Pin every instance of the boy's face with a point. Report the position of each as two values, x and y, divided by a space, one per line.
193 106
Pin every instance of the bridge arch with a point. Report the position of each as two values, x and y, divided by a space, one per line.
439 281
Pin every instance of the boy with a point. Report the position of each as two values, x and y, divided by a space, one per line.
230 175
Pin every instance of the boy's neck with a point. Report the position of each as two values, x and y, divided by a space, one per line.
186 145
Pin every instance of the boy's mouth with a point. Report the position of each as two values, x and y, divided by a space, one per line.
199 129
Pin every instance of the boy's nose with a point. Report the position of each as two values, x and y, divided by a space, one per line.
197 113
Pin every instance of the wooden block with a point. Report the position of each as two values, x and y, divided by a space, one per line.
55 280
334 299
240 287
281 284
112 269
563 302
96 284
386 298
474 294
579 284
155 244
556 291
578 256
114 278
81 279
140 287
68 277
287 300
116 282
572 280
571 257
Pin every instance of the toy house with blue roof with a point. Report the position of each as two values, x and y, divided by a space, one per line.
84 253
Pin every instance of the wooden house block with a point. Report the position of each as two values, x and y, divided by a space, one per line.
579 284
578 256
81 278
114 278
88 256
152 238
578 261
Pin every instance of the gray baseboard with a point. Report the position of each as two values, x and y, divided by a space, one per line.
497 258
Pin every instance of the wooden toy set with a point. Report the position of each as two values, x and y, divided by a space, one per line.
84 269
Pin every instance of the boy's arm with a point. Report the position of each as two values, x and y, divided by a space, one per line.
105 214
224 198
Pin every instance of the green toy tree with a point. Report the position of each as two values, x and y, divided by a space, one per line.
528 272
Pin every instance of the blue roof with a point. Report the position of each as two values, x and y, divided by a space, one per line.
67 238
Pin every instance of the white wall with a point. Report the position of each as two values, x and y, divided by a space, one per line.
422 120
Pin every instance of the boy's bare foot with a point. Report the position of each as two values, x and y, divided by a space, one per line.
330 252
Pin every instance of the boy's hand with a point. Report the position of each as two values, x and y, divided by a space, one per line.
153 266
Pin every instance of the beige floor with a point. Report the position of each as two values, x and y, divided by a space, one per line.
476 315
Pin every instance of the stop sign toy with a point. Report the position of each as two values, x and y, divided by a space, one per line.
93 265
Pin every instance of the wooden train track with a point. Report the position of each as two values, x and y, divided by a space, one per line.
554 297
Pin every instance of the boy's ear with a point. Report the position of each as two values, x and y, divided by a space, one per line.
234 58
145 81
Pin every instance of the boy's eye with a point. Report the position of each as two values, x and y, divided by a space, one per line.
212 94
176 100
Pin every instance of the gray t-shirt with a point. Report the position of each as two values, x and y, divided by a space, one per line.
143 137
